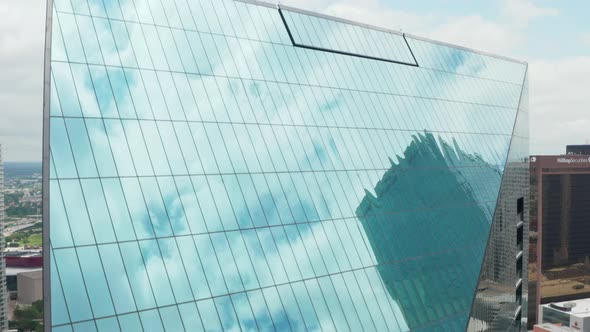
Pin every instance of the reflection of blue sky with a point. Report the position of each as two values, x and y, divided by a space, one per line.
442 57
341 37
339 119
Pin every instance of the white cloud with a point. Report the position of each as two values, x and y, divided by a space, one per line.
22 31
478 33
21 79
475 31
521 11
560 108
377 13
464 30
560 111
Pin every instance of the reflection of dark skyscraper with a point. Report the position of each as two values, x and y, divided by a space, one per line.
428 227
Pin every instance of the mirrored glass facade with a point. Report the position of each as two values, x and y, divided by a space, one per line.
502 296
229 165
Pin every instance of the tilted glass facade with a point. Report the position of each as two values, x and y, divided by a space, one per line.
502 297
230 165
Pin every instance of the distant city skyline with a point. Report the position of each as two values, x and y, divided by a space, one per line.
553 37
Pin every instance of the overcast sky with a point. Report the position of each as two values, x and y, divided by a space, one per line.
552 36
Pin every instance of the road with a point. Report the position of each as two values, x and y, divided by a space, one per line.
22 223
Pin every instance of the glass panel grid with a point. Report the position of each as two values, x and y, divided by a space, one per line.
308 31
211 177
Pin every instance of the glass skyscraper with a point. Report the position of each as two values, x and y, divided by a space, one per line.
234 165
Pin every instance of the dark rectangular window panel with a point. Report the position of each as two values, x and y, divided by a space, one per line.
519 237
555 316
520 208
565 170
518 319
335 35
519 267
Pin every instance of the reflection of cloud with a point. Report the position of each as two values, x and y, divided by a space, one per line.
522 11
548 136
260 153
427 226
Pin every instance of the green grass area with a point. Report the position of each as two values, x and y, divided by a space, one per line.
36 240
30 237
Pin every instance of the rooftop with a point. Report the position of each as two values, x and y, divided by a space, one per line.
11 252
581 308
552 328
276 4
35 274
13 271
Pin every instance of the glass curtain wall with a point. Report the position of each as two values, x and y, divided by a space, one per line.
223 165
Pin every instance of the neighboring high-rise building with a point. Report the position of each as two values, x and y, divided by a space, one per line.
3 291
239 165
578 149
559 246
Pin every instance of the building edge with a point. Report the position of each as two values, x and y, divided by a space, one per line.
277 5
502 183
46 166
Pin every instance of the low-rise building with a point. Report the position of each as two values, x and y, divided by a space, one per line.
572 314
30 286
547 327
